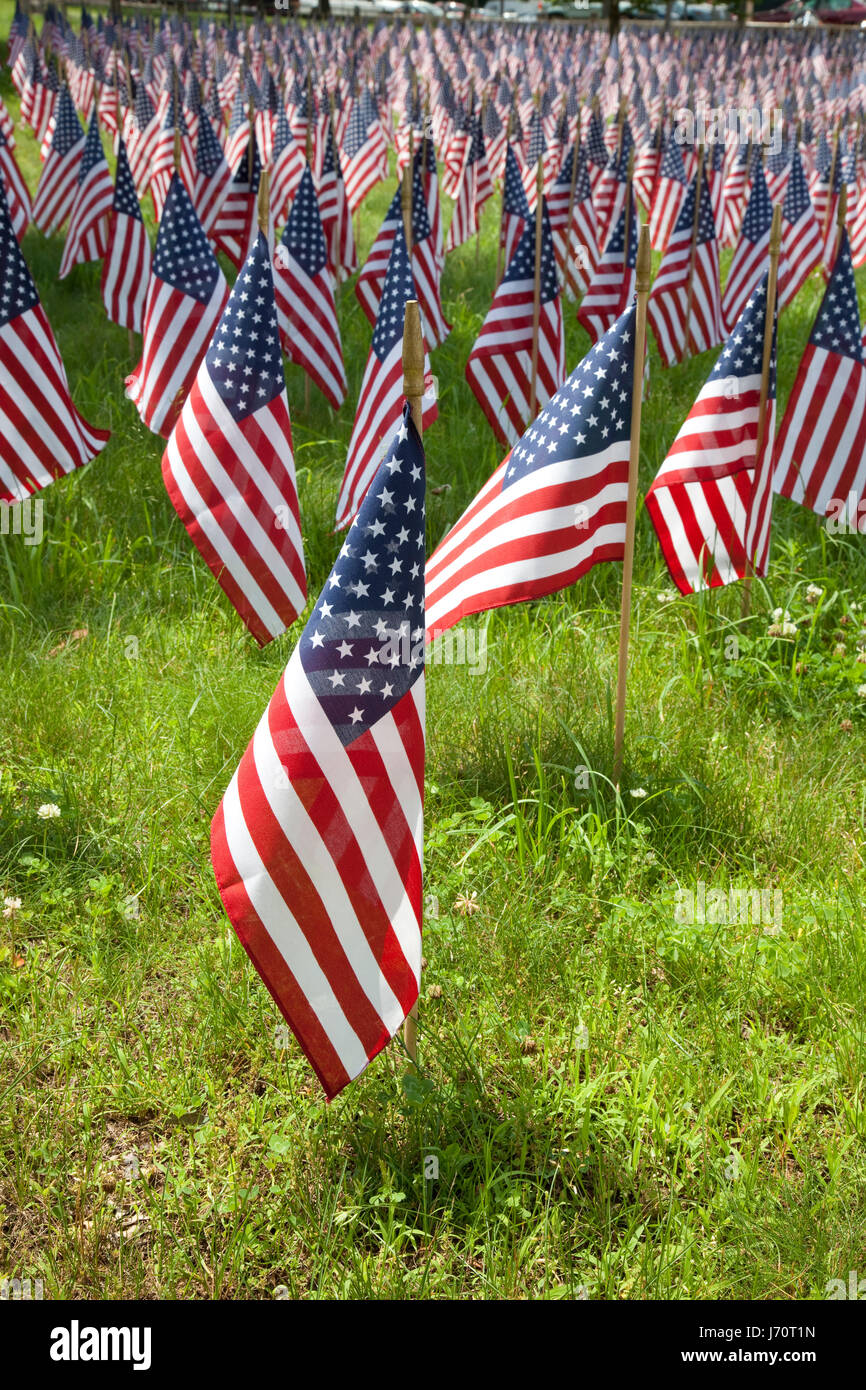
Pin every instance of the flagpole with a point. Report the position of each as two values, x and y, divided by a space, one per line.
643 272
769 319
536 298
693 253
413 390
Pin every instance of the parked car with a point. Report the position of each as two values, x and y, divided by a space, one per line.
529 11
576 9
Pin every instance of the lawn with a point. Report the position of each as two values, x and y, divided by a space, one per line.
611 1103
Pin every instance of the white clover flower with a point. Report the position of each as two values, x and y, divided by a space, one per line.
781 615
813 593
665 596
638 791
48 811
861 691
789 629
11 906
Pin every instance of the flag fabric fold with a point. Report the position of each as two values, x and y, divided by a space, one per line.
185 298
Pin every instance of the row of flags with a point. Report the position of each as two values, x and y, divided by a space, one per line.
317 845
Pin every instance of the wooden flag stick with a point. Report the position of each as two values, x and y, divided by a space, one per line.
769 320
693 254
264 203
536 298
413 390
643 271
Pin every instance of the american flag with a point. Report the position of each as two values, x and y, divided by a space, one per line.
336 214
715 178
801 235
185 299
317 845
556 506
821 450
515 208
162 167
536 148
685 261
212 174
425 266
752 253
826 190
58 181
87 237
142 132
17 193
669 194
380 399
857 231
560 194
7 127
472 190
108 105
483 183
612 190
43 109
368 286
234 228
579 244
779 170
499 369
646 169
239 131
43 434
711 500
596 150
306 311
734 195
126 266
426 157
229 466
613 284
287 166
455 153
495 139
363 155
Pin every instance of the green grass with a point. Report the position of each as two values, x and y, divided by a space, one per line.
622 1106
